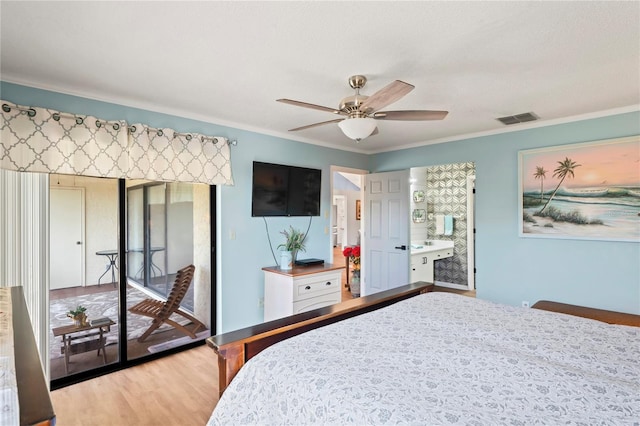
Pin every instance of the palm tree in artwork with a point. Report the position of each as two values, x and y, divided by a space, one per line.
541 174
565 168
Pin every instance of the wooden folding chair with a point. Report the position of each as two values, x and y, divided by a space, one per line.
161 311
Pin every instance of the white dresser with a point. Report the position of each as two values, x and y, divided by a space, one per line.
300 289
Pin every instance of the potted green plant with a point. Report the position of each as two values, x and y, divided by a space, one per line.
78 315
293 244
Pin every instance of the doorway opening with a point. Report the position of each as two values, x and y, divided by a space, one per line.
346 221
446 190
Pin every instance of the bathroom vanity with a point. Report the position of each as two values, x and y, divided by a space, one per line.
423 256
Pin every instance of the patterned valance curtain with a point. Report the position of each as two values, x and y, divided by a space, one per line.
166 155
47 141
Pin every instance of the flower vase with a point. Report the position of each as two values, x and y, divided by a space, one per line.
286 260
80 320
354 284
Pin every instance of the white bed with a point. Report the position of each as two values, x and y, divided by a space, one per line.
440 358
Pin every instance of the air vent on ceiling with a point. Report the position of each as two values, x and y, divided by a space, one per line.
518 118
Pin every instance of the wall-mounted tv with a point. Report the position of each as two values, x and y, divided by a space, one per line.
280 190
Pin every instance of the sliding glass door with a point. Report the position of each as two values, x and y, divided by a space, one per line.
129 239
160 242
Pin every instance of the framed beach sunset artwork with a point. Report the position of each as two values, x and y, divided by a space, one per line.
585 191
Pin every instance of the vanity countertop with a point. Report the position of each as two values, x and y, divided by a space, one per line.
430 246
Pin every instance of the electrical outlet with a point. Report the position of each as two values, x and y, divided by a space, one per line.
525 303
260 302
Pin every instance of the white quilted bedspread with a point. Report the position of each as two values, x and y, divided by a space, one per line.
441 358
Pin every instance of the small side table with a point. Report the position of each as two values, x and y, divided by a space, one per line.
69 333
112 255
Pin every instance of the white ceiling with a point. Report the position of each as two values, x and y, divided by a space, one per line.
227 62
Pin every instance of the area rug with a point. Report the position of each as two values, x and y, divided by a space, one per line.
99 305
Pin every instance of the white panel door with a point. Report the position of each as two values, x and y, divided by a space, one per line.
386 231
66 237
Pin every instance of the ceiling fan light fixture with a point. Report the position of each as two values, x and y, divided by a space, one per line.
357 128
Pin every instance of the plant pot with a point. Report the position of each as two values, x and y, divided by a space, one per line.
286 260
80 320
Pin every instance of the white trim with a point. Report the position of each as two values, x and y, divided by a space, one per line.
519 127
471 261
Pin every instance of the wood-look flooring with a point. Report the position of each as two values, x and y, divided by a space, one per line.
180 389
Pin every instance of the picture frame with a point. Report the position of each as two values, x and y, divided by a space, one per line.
358 211
418 196
588 191
419 215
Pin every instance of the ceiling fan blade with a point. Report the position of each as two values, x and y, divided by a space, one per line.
312 106
410 115
316 124
386 96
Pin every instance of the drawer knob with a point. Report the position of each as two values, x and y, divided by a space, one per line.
308 287
328 283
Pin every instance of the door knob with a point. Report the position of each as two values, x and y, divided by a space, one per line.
79 243
403 247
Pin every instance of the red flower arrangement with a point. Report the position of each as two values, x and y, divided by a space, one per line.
353 253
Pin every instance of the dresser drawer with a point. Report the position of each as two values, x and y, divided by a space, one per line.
441 254
305 288
316 302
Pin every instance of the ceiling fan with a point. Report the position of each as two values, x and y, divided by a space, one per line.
361 112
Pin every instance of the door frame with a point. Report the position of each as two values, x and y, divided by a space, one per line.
333 219
342 226
471 232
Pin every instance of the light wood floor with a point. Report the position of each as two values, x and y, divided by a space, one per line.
180 389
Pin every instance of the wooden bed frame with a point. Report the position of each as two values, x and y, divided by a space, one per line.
610 317
237 347
233 349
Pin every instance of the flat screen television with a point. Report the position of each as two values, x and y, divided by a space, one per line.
280 190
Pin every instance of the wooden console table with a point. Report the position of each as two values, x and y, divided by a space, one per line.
69 347
236 347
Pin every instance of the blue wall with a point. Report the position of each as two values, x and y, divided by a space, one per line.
509 268
240 280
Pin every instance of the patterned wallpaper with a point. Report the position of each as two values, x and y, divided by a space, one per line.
446 194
